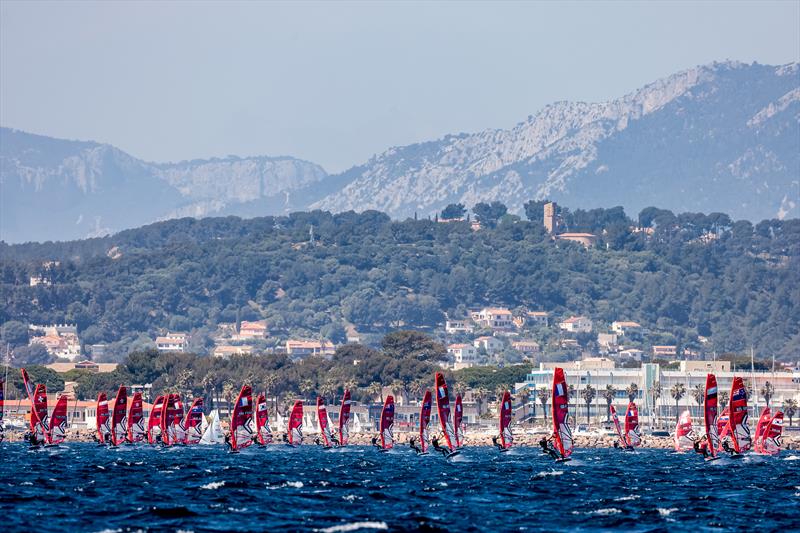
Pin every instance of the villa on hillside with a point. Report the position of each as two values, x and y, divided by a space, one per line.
251 331
458 326
302 348
576 324
172 342
464 355
498 318
626 328
491 345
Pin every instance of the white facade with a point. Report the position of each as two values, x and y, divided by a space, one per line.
458 326
464 355
490 345
576 324
494 318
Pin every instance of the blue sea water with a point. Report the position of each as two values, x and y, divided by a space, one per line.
82 487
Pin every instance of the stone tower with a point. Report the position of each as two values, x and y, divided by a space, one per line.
550 222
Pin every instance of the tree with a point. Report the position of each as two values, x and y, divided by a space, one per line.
609 394
373 390
227 393
656 392
306 387
633 391
790 408
723 400
588 394
534 210
413 344
489 214
699 394
544 397
35 354
454 212
767 390
677 392
14 333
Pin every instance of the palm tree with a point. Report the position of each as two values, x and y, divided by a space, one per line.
208 388
183 383
374 389
677 391
328 390
699 394
588 394
723 400
656 394
480 395
306 386
544 397
790 408
270 380
609 394
227 393
398 387
633 391
767 391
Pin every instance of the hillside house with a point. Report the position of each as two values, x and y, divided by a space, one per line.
496 318
172 343
491 345
464 355
626 328
526 347
458 326
665 351
302 348
576 324
249 331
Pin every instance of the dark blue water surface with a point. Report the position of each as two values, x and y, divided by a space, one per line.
81 487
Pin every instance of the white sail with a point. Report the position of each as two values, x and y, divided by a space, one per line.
212 434
356 424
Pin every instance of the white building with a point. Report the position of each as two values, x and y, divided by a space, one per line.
626 328
458 326
172 342
576 324
539 318
464 355
497 318
526 347
491 345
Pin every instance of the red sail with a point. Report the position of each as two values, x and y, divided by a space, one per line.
771 443
154 420
344 419
761 427
324 423
177 433
710 414
193 423
136 430
242 419
443 408
458 416
387 423
684 433
740 428
632 436
2 403
295 429
723 427
58 422
562 434
262 421
506 414
424 421
617 425
119 417
42 425
169 412
29 387
103 418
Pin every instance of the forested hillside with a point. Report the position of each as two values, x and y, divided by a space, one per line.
686 275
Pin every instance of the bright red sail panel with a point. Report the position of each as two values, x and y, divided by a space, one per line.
295 427
242 419
443 409
193 423
175 413
119 417
136 430
29 387
42 427
562 434
168 420
632 435
344 419
154 420
424 421
761 427
617 425
58 422
684 433
262 421
740 428
710 414
772 436
458 417
387 423
103 418
506 414
324 423
2 402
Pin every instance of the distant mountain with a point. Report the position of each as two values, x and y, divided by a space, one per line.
53 189
722 137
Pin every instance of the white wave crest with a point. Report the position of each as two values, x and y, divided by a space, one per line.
355 526
213 485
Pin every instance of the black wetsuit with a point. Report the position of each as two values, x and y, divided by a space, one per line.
435 444
413 445
727 447
228 441
375 443
494 441
701 447
548 449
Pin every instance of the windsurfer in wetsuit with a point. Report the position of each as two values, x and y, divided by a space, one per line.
701 446
727 447
228 441
285 437
413 445
494 441
438 448
547 447
375 443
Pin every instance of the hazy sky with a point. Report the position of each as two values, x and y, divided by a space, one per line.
336 83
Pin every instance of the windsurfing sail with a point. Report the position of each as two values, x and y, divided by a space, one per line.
710 414
632 435
723 425
41 426
119 417
29 386
136 431
58 422
443 408
2 405
458 416
424 422
740 428
295 428
562 434
175 417
506 414
103 418
262 421
344 419
684 433
387 423
771 443
154 420
193 422
167 414
617 425
761 427
324 423
213 431
242 419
